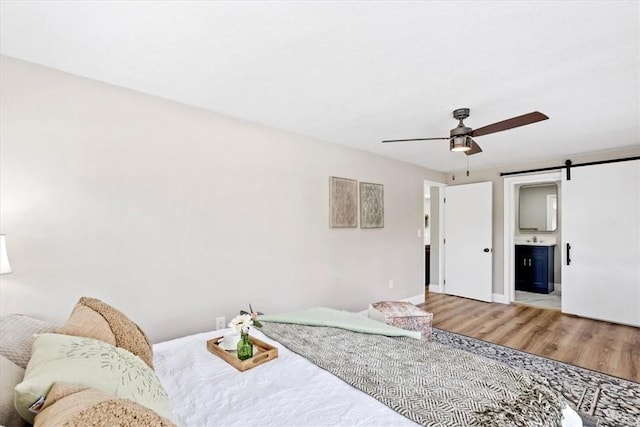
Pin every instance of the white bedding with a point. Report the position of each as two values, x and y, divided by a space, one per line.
288 391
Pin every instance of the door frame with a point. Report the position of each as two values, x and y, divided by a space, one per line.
436 221
509 221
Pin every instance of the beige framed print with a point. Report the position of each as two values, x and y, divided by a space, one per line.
343 202
371 205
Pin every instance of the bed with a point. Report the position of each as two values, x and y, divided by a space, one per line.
288 391
186 385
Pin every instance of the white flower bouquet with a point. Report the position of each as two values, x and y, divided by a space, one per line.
242 322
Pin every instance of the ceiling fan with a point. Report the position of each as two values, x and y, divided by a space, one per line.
460 137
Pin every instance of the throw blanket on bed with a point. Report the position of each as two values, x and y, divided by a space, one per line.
324 316
426 382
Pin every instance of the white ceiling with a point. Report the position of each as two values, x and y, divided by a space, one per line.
358 72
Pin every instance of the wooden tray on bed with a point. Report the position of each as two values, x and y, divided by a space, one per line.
262 353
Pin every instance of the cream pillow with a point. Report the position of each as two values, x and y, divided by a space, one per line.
91 363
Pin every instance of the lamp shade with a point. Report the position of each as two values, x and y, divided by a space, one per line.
5 267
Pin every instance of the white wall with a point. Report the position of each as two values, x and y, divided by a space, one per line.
177 215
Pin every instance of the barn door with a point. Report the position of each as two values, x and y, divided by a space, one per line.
601 235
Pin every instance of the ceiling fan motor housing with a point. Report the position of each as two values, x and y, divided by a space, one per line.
461 113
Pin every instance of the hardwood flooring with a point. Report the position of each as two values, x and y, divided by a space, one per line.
601 346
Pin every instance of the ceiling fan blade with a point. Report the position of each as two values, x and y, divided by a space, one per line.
514 122
475 149
414 139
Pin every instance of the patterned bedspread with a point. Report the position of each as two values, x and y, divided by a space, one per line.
429 383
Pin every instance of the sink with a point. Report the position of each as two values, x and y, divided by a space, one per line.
538 243
544 241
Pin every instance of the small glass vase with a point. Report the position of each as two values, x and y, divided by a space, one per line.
245 347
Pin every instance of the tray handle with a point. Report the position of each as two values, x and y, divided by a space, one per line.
259 358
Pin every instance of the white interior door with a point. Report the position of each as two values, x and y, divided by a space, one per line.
601 224
468 236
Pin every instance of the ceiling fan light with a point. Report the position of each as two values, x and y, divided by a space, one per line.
460 143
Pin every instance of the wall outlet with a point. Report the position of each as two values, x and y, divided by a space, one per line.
221 322
390 283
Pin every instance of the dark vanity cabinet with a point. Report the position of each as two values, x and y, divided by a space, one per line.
534 268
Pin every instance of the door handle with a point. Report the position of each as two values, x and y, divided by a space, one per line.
486 250
568 254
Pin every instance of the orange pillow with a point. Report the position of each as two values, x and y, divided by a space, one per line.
74 406
95 319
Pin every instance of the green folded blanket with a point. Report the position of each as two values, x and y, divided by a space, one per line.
323 316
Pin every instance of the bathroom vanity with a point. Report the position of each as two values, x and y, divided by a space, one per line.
534 267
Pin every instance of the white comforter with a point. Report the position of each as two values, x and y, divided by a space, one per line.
287 391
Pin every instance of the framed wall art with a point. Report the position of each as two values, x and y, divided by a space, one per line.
343 202
371 205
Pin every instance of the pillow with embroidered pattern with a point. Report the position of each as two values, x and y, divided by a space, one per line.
91 363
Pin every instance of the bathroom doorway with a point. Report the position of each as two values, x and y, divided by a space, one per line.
533 240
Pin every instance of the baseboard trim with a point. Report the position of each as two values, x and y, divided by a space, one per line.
417 299
500 298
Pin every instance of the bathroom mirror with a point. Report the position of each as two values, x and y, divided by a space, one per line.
538 208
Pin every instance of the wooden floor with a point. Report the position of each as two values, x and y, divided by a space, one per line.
600 346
